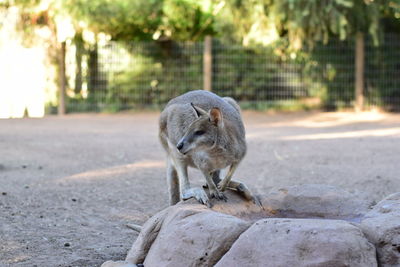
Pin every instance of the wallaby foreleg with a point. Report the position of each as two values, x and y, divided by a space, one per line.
184 185
215 177
173 183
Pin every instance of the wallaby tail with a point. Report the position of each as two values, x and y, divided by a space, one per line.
232 102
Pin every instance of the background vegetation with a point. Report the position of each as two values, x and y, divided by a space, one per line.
267 53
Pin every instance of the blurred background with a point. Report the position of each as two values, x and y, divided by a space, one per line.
113 55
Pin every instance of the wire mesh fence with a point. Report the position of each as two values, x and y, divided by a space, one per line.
117 76
382 73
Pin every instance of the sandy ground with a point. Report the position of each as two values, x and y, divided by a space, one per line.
69 186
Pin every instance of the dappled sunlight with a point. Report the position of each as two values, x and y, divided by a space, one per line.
22 74
134 216
325 125
388 132
108 173
327 119
23 77
17 249
332 119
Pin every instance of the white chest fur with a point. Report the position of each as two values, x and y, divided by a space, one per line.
210 161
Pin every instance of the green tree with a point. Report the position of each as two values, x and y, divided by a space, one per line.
144 19
311 21
187 20
123 20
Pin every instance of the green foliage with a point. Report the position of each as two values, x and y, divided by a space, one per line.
143 19
301 21
21 3
238 17
165 65
186 20
310 21
123 20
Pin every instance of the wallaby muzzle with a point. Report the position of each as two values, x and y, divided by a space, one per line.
182 146
179 146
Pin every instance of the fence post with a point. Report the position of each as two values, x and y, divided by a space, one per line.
62 85
207 63
359 72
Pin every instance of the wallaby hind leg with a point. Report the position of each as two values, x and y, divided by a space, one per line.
212 188
242 189
173 184
239 187
225 182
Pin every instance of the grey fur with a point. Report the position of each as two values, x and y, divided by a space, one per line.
202 130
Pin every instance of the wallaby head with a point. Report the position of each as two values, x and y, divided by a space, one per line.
203 132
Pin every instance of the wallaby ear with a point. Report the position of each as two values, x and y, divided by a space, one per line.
216 116
199 111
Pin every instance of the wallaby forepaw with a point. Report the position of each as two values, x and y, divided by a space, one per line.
198 194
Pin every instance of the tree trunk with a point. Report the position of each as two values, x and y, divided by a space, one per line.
359 72
61 100
207 64
78 57
93 88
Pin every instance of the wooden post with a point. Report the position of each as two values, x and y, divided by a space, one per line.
62 85
359 72
207 64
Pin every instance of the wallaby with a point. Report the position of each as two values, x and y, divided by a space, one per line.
202 130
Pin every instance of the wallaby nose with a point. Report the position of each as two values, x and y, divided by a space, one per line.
179 146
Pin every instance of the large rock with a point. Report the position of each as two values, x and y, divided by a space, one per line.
301 242
382 227
316 201
190 234
148 234
186 235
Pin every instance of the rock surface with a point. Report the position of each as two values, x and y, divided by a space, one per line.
118 264
316 201
301 242
382 227
148 234
194 236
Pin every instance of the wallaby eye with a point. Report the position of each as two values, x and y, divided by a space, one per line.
198 133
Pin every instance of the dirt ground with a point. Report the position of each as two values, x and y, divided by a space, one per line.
69 186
